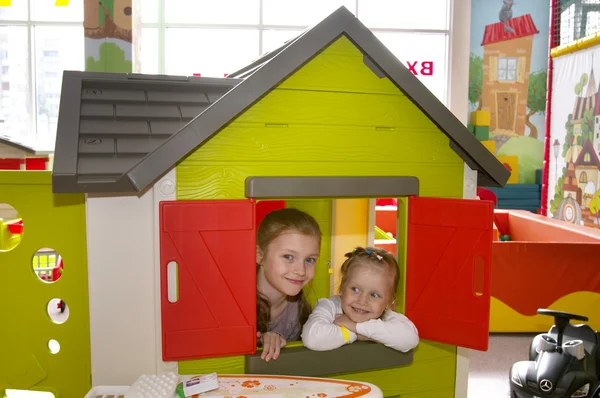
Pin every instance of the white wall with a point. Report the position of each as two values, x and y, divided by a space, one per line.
123 284
458 75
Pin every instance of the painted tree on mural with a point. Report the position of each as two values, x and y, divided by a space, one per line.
595 206
558 192
107 26
582 82
569 137
587 126
475 80
536 99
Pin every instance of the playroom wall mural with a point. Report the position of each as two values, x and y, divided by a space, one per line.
507 78
108 35
574 181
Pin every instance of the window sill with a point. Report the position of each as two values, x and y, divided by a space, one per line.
359 356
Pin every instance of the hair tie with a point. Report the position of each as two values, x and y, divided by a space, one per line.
368 251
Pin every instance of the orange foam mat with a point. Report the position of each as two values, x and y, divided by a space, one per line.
546 261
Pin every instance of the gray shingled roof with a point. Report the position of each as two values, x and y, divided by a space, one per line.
109 122
120 133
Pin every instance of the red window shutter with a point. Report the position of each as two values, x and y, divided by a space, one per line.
448 270
214 246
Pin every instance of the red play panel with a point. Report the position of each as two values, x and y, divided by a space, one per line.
214 245
448 270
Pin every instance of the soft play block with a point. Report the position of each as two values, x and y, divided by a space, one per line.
518 191
480 118
482 133
538 176
547 263
512 164
471 128
490 145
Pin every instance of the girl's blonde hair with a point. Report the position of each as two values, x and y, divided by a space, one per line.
273 225
373 256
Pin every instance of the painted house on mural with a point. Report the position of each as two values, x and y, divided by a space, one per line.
178 170
586 174
506 65
596 138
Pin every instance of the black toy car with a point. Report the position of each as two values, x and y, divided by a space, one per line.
565 362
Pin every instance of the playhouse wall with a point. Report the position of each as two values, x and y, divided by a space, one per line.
124 284
333 117
122 287
133 338
29 311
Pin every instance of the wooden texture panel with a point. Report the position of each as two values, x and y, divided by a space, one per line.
340 68
252 142
333 117
224 365
197 179
433 368
282 106
446 392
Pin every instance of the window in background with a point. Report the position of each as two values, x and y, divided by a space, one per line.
301 12
14 93
272 39
53 55
149 51
213 11
425 54
38 41
218 37
405 15
213 52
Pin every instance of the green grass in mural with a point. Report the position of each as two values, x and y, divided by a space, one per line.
112 59
531 156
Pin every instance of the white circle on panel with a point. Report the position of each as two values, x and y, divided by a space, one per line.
58 310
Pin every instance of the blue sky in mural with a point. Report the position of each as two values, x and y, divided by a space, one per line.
485 12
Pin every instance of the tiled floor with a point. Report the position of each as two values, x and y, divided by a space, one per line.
488 371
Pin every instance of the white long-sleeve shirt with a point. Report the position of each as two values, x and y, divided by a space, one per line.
319 333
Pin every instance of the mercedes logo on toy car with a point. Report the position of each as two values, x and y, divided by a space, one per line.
546 385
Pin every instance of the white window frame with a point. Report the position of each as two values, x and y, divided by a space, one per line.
31 68
161 25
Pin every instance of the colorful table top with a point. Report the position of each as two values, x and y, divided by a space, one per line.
242 386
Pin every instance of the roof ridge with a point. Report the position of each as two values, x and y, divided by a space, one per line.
265 74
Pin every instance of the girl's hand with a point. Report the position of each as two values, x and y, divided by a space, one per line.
343 320
362 338
272 344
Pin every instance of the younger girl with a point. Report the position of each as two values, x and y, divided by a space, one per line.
360 312
287 247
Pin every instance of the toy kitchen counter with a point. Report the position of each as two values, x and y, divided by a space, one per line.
266 386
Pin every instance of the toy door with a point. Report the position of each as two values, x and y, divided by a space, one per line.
207 278
449 249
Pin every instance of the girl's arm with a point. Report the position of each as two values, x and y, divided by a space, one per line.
394 330
320 333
